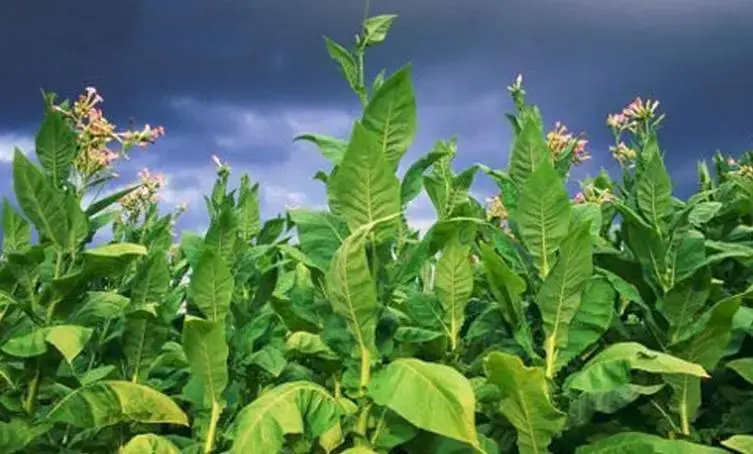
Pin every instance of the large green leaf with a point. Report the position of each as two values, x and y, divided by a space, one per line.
506 286
105 403
143 338
365 188
391 115
248 212
69 340
654 189
42 203
560 295
543 215
611 368
100 306
331 148
320 234
151 281
410 188
211 287
432 397
352 292
454 285
642 443
681 304
743 367
591 321
207 354
293 408
526 402
149 444
56 146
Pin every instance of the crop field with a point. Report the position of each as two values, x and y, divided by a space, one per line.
615 321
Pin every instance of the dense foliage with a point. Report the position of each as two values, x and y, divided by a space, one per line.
615 322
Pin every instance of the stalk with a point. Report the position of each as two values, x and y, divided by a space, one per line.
214 418
31 397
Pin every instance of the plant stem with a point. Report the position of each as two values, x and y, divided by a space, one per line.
211 433
31 397
365 371
363 424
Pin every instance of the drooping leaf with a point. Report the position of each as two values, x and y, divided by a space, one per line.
526 402
739 443
105 403
149 444
410 188
69 340
293 408
643 443
410 386
331 148
611 368
743 367
320 234
16 231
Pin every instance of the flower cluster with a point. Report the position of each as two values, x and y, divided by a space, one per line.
623 154
138 200
517 92
96 134
636 113
495 209
592 194
744 170
561 141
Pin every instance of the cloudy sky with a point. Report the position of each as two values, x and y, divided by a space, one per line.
241 78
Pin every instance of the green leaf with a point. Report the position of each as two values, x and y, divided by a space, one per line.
611 368
412 181
211 287
331 148
16 231
591 321
293 408
526 402
152 280
703 213
364 188
56 146
100 306
410 386
560 295
654 190
375 29
682 303
270 359
42 203
248 211
739 443
143 339
543 215
352 291
106 403
743 367
308 344
391 115
413 335
530 149
642 443
507 287
149 444
348 66
454 285
320 234
222 235
101 204
69 340
207 354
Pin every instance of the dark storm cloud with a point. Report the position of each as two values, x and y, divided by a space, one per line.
252 74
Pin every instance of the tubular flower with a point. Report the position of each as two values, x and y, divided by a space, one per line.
633 114
135 202
96 134
561 141
624 154
495 209
592 194
744 170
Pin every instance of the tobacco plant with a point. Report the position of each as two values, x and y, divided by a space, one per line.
616 321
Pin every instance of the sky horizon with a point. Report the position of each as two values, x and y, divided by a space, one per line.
242 79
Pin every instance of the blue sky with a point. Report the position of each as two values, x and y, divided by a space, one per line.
242 78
